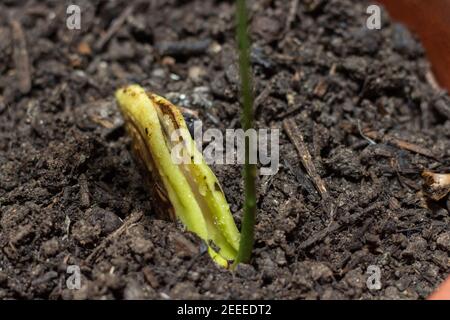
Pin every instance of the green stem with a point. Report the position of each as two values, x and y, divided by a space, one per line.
249 173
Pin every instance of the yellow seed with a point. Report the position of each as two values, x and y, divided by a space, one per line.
151 120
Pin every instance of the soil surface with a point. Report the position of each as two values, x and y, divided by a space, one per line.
71 194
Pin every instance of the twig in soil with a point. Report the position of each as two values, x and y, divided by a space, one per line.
249 172
437 185
183 48
291 15
114 27
130 220
431 79
402 144
407 182
334 226
319 236
301 178
297 140
20 57
262 97
364 136
289 112
410 230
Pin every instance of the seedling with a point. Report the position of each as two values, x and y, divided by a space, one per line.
189 190
249 215
187 187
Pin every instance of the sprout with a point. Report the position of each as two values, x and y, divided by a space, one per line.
188 190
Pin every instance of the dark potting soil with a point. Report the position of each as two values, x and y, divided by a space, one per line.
70 193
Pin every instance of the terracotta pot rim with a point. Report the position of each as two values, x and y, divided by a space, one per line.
442 292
